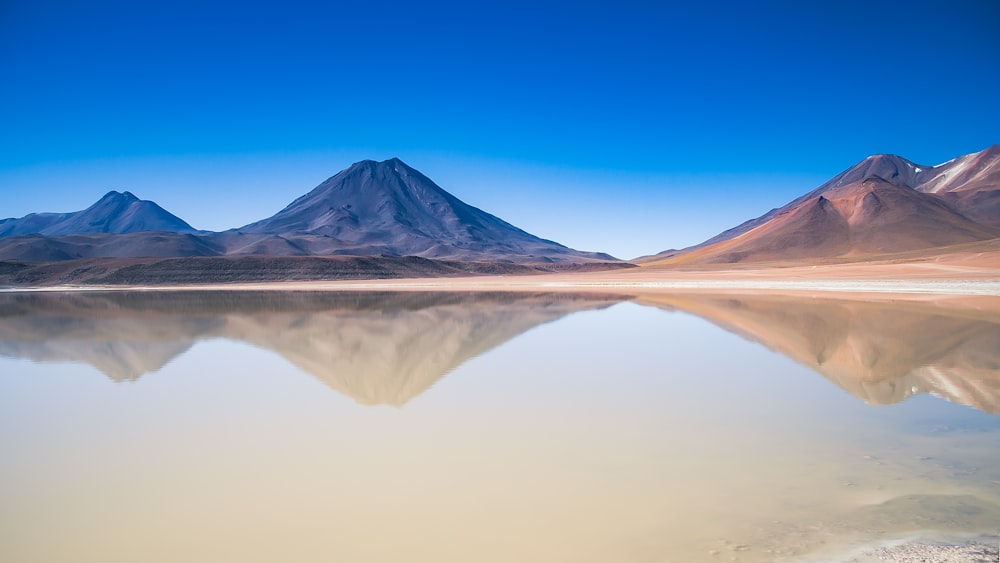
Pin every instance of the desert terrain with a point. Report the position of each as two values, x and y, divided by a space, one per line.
965 270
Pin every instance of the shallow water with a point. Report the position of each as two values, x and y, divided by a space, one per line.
492 427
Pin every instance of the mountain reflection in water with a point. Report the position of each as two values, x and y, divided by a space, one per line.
388 347
377 348
626 434
880 352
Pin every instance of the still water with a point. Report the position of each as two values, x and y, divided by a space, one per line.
437 427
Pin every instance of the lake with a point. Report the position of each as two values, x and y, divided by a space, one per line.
447 427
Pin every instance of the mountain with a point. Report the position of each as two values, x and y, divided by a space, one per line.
376 209
882 205
115 213
390 208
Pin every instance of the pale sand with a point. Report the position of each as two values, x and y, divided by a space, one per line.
922 553
896 289
824 282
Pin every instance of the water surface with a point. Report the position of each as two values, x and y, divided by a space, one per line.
490 427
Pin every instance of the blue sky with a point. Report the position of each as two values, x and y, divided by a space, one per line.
628 127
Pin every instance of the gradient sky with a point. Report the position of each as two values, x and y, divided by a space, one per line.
627 127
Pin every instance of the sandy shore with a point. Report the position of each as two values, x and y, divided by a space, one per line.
629 282
919 553
968 273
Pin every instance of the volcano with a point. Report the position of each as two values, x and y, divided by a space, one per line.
390 208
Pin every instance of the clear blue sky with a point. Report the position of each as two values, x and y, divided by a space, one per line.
628 127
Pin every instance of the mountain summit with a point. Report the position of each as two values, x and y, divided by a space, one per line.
390 208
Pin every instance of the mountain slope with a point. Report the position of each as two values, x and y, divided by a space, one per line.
883 204
970 184
972 172
32 223
40 248
390 208
116 213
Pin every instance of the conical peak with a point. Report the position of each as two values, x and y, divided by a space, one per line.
887 167
371 173
392 169
368 163
889 159
884 156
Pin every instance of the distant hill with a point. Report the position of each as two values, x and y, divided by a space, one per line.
115 213
883 204
370 209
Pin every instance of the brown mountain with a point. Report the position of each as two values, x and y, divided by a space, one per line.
882 205
970 184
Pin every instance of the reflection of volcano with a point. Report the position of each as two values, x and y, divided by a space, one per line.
879 352
105 331
375 348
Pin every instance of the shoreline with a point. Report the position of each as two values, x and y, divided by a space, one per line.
963 273
920 548
585 283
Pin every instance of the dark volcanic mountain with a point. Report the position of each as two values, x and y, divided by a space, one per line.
389 208
884 204
116 213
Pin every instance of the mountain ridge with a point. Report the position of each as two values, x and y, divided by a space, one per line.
114 213
370 208
882 204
